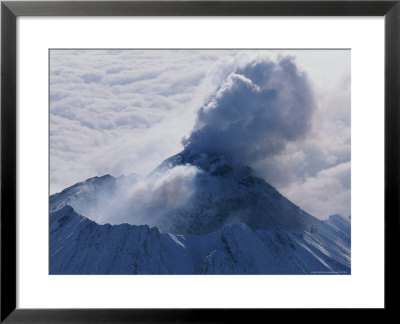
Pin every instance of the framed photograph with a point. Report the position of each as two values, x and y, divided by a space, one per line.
188 193
196 161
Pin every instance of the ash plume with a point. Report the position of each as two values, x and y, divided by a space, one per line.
261 107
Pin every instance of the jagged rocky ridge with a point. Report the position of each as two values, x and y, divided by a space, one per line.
81 246
234 223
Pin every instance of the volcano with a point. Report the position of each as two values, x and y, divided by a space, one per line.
203 214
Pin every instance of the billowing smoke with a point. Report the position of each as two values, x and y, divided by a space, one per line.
138 200
262 106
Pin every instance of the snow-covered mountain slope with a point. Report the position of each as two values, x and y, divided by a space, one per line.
92 196
227 194
81 246
84 195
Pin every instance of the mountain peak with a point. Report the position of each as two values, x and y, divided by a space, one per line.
186 194
215 164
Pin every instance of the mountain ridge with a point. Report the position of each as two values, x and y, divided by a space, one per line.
81 246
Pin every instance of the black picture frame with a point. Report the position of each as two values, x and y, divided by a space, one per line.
10 10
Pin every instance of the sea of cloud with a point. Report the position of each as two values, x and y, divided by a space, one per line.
125 111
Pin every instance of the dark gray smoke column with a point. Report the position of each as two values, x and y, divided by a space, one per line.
261 106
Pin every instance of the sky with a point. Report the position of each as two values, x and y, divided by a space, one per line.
120 112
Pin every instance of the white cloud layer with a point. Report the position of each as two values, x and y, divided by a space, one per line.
125 111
